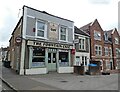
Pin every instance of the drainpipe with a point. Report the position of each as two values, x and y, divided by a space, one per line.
112 52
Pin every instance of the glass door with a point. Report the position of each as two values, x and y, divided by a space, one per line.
52 62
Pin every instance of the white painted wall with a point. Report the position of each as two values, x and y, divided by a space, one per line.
65 70
36 71
82 54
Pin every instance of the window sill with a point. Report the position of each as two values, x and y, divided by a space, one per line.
41 37
62 41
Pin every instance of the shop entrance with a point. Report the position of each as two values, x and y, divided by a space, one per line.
52 66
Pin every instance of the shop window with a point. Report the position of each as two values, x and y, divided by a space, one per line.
77 61
63 59
38 59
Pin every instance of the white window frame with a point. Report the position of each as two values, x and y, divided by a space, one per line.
110 51
60 33
99 46
117 52
116 40
76 60
83 44
96 33
84 60
106 50
45 31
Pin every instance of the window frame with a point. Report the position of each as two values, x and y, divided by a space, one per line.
96 33
99 46
65 35
116 39
83 43
45 30
106 51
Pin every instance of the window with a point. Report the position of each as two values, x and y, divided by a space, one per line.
82 44
41 29
106 51
105 36
84 60
98 50
77 61
38 58
116 40
97 35
63 33
117 52
63 59
110 51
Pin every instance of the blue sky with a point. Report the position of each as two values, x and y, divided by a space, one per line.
79 11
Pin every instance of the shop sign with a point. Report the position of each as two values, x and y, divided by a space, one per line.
76 41
47 44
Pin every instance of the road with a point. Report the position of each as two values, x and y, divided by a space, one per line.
4 87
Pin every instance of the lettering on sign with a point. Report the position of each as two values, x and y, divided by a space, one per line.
53 45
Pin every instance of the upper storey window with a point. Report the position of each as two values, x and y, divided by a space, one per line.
63 33
116 40
41 29
97 35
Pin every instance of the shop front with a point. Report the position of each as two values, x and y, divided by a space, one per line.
45 57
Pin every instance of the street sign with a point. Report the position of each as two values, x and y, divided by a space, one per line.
76 41
18 39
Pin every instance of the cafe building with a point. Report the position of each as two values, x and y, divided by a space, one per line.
43 44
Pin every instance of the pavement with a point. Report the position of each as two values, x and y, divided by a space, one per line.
55 81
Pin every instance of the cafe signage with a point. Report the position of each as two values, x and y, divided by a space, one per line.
47 44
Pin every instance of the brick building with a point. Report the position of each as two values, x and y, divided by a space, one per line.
102 45
114 38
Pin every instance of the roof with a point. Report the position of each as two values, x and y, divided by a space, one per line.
109 32
17 25
79 31
46 13
107 42
86 27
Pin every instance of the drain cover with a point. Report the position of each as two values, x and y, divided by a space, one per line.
81 81
63 81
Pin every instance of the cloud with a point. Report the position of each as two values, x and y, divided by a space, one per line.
99 1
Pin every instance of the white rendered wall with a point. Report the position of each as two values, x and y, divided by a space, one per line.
65 70
36 71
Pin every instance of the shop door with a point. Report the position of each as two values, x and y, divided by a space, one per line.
52 62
